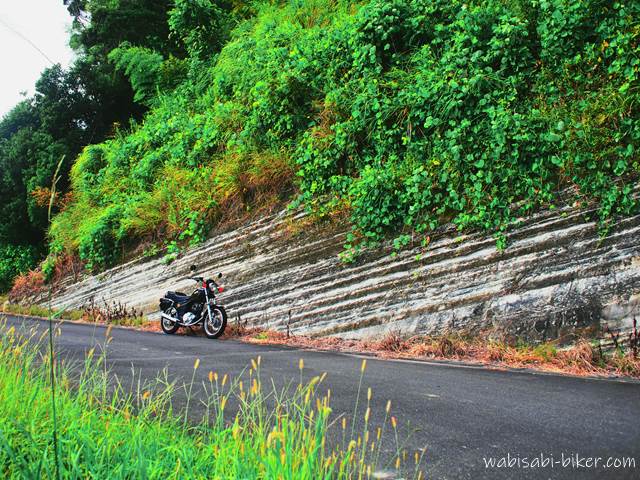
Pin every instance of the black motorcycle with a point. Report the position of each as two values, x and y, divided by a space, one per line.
181 310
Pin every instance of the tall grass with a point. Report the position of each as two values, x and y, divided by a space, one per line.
105 430
52 355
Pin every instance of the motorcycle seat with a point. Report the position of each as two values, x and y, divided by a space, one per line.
177 297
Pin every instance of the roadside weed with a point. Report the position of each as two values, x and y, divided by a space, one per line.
231 427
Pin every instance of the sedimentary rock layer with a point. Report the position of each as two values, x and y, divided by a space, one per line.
556 275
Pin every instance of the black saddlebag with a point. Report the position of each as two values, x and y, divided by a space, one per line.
165 303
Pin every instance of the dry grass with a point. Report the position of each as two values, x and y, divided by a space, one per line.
67 265
32 284
392 342
582 358
114 313
27 285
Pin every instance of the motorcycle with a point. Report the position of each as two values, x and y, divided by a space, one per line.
181 310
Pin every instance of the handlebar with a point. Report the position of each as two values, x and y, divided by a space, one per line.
201 279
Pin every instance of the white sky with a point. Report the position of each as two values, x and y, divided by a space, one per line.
45 23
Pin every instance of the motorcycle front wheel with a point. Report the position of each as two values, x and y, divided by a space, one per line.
215 322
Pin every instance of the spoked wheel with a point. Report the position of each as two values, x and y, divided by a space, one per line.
215 322
167 325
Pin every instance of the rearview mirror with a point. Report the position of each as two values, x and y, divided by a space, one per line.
220 275
192 268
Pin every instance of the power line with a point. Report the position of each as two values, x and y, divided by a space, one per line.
26 39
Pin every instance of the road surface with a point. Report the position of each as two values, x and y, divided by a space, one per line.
463 415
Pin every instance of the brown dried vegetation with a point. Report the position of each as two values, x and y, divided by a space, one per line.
115 313
582 358
27 285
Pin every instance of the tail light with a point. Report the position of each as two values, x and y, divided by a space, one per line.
220 289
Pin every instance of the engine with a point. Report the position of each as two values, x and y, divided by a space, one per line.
192 315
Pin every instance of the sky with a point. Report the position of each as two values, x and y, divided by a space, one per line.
46 24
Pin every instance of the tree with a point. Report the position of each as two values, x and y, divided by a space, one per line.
102 25
142 66
202 25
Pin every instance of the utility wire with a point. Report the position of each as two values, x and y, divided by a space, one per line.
26 39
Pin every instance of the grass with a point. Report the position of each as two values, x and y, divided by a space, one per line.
109 314
32 310
248 430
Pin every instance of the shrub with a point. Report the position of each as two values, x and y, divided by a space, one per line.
15 260
406 114
99 244
86 173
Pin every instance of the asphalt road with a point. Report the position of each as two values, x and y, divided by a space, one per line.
461 414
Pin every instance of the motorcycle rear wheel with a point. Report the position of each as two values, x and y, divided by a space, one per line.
214 327
168 326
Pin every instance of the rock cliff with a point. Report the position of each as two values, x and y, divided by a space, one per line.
556 275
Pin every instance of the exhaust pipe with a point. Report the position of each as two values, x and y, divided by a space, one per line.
169 317
192 321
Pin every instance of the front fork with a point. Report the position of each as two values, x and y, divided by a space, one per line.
206 296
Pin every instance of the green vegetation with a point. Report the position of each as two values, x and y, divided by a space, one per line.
105 314
32 310
71 109
15 259
406 114
107 431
